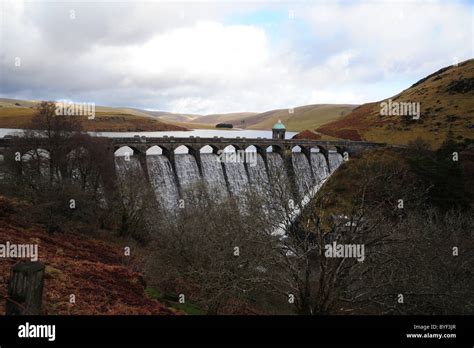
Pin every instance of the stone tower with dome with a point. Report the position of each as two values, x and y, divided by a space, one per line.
278 131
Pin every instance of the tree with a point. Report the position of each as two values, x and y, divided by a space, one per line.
211 253
360 205
64 172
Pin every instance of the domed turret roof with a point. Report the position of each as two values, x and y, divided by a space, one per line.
279 125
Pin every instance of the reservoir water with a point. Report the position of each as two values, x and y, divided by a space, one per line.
203 133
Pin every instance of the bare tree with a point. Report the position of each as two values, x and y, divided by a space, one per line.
64 172
212 254
381 205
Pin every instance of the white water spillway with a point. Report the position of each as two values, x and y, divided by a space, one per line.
213 174
269 175
162 180
186 170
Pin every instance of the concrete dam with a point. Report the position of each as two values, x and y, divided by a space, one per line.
170 178
228 166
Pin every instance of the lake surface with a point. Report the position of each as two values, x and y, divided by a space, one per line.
203 133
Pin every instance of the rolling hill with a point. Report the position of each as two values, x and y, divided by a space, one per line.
169 116
16 113
235 118
446 104
202 121
303 117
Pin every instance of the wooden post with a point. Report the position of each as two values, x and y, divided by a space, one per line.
25 290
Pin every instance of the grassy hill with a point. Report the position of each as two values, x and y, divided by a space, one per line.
202 121
235 118
18 113
303 117
171 117
446 100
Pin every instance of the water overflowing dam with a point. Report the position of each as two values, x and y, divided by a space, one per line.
227 177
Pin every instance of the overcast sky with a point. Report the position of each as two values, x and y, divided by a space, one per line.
215 57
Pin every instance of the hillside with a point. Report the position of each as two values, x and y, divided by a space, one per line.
444 184
202 121
18 113
95 271
235 118
303 117
446 100
170 117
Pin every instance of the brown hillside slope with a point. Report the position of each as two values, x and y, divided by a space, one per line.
446 100
303 117
18 114
235 118
92 270
307 134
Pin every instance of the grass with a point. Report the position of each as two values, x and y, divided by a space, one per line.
305 117
195 125
171 301
15 117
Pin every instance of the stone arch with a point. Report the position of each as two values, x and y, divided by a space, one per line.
183 149
120 151
209 148
155 150
274 148
158 150
296 148
320 149
251 148
332 148
230 148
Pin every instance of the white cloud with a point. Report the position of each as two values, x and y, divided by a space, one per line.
207 52
398 37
